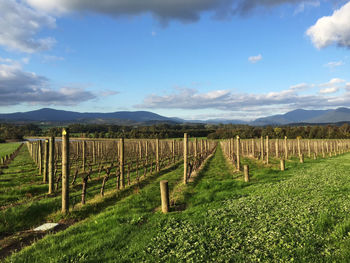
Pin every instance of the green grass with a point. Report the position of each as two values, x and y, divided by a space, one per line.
8 148
299 215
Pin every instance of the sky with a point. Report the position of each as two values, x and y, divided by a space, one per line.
192 59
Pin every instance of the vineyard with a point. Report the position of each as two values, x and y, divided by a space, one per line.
246 200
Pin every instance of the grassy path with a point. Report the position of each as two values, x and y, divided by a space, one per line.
299 215
8 148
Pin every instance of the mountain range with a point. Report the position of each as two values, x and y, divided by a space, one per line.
48 115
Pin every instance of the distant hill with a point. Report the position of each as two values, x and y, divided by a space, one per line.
52 115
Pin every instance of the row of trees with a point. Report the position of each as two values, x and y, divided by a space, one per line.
162 131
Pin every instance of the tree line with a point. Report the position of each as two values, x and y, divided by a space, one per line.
162 131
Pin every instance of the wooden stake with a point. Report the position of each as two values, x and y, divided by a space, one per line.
164 193
65 171
185 157
121 161
282 164
51 164
246 173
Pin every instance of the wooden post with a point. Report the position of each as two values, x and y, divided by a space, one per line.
253 148
40 157
46 161
173 150
277 148
93 152
261 148
65 171
246 173
195 148
121 161
299 150
157 156
84 153
164 193
282 164
301 158
140 150
285 148
185 157
238 153
267 149
51 164
309 148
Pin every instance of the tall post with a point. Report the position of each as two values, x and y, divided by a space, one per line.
299 150
51 164
238 153
267 149
140 150
253 148
46 161
164 193
285 148
157 156
261 148
93 152
277 148
246 173
309 148
40 157
195 148
121 161
185 157
65 171
173 150
84 154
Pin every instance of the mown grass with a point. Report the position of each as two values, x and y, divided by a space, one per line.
299 215
8 148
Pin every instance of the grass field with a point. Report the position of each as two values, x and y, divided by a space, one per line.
299 215
8 148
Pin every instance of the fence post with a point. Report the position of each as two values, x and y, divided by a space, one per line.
282 164
267 149
157 155
65 171
285 148
121 161
51 164
164 193
238 153
46 161
185 157
246 173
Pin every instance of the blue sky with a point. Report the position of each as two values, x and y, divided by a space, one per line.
194 59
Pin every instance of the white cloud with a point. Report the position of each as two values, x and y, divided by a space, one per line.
18 86
19 25
334 29
225 100
51 58
255 59
332 82
329 90
334 64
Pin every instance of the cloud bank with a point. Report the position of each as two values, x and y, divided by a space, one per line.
184 10
225 100
18 86
334 29
19 25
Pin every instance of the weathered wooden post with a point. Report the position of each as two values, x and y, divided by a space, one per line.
267 149
173 150
299 150
185 157
40 157
140 150
164 193
285 148
84 154
261 148
301 158
157 155
246 173
315 156
195 149
121 161
46 161
277 148
253 148
65 171
51 164
282 164
238 153
309 148
93 152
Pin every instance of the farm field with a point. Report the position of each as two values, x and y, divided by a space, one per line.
8 148
300 214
